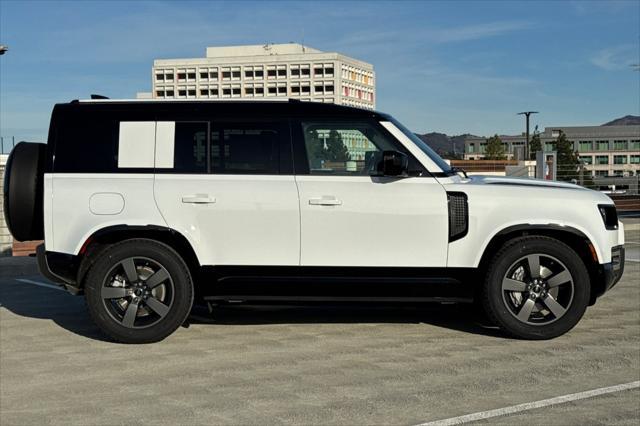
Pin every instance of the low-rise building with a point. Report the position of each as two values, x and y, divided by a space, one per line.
604 150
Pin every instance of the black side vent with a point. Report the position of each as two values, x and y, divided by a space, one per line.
458 215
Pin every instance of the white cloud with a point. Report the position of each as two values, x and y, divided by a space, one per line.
616 57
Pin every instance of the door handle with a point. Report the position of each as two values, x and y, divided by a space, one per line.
325 201
198 199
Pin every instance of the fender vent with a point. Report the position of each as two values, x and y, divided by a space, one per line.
458 215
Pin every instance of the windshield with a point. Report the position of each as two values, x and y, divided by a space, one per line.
446 168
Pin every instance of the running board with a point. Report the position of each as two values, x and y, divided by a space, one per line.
389 299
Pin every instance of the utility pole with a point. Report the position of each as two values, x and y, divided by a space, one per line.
526 144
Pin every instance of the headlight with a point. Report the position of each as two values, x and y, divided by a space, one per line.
609 216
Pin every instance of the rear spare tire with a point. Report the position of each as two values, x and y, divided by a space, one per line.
23 191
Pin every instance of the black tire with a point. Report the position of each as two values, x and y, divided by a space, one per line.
149 325
23 191
553 316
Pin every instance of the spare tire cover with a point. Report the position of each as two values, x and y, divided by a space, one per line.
23 191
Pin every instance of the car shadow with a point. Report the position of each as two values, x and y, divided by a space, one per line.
70 313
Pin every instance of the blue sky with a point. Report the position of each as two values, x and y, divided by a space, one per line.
452 67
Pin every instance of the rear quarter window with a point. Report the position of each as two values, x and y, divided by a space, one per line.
86 142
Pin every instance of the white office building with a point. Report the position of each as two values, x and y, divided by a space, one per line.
267 71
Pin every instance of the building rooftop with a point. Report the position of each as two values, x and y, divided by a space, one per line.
259 50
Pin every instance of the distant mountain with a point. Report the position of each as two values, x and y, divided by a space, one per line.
627 120
445 145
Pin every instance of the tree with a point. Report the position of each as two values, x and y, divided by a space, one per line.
316 149
567 161
335 148
495 149
535 144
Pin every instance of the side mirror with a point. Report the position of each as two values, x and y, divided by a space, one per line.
393 163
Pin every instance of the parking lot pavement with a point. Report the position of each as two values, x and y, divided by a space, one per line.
310 365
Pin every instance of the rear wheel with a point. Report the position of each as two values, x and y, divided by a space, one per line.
536 288
139 291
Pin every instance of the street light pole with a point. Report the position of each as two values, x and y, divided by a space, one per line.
526 144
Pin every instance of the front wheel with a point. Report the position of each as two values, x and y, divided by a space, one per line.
536 288
139 291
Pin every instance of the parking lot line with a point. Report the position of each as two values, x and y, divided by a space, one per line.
41 284
532 405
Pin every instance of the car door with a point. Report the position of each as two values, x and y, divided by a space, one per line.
350 217
230 190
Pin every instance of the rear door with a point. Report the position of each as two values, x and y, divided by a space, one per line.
230 190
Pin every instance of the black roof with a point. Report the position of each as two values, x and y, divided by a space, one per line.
292 107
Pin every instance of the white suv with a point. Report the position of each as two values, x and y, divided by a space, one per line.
145 206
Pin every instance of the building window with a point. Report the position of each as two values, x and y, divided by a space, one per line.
586 159
248 73
168 77
602 145
305 88
226 91
271 72
634 159
635 145
159 77
620 145
585 146
272 90
282 90
191 76
213 75
549 146
214 92
602 173
258 73
471 148
204 75
619 159
328 89
170 93
259 90
318 88
295 71
618 173
204 92
226 73
182 93
182 76
191 93
282 71
160 93
602 159
305 71
235 73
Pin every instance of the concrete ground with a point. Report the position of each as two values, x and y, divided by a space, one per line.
310 365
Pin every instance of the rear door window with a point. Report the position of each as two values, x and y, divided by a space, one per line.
247 147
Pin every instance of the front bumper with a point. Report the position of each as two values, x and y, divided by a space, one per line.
609 273
613 271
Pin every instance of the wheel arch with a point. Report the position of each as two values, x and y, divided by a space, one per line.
102 238
573 237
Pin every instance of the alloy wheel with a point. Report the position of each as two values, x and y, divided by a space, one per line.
137 292
537 289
